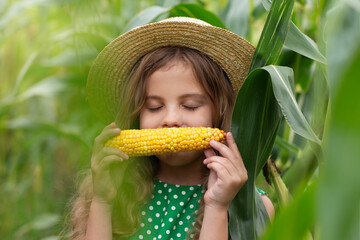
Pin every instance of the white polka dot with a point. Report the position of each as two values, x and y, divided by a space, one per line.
148 232
174 227
181 203
164 208
183 211
195 195
191 188
154 238
180 222
142 224
183 192
168 231
158 202
165 197
157 214
178 235
168 201
191 206
160 191
177 185
159 236
178 215
175 196
193 223
173 208
141 237
171 219
163 224
156 226
165 213
196 211
191 235
188 217
165 185
149 219
143 213
152 196
170 189
186 229
151 207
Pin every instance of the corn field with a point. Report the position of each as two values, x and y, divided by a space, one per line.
47 127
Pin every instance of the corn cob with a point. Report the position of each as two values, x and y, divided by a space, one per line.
159 141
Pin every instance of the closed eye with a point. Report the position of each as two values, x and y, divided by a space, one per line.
191 108
154 109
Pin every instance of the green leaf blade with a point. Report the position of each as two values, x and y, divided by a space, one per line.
285 96
274 34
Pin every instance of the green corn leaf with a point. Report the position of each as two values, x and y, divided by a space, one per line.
273 35
268 95
295 220
299 42
302 44
341 179
146 16
182 9
255 121
254 124
236 17
283 144
196 11
281 79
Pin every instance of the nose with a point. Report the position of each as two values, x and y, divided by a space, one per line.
172 118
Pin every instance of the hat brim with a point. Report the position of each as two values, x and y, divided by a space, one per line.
114 63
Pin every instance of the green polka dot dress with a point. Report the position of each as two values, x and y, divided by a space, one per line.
171 212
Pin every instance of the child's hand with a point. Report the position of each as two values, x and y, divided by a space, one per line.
227 173
104 189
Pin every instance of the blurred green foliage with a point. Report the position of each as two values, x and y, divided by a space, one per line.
47 127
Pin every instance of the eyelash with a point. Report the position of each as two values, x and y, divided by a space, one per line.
186 107
190 108
155 109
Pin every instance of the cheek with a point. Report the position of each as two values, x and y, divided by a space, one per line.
142 120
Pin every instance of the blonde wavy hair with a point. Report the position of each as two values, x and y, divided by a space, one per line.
136 188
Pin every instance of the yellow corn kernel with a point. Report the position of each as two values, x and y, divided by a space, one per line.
147 142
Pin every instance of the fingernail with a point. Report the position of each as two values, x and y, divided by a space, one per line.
229 134
205 160
213 142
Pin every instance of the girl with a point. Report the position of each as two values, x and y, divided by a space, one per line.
180 72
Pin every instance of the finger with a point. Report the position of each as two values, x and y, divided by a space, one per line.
224 150
228 174
231 143
209 153
230 152
108 160
108 132
224 162
106 151
221 172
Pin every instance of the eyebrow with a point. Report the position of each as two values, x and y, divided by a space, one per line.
184 96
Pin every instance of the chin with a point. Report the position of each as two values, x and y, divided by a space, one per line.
181 158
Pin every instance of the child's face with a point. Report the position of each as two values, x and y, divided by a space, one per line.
175 98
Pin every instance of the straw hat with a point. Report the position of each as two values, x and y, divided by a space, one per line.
114 63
